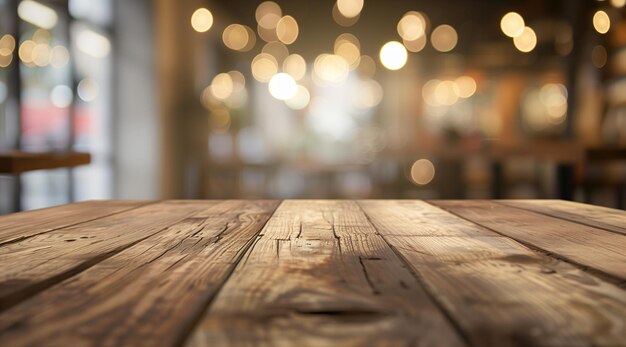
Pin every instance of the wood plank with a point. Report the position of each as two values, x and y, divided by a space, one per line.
320 275
595 216
571 241
18 226
149 294
499 292
38 262
16 162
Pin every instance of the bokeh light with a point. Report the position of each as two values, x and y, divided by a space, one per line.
59 56
466 86
369 94
201 20
512 24
93 43
350 8
7 45
341 19
367 67
599 56
412 26
88 89
26 51
41 54
38 14
601 22
330 68
444 38
295 66
239 37
416 45
222 86
264 66
287 30
61 96
282 86
348 46
422 172
527 41
393 55
268 14
618 3
278 50
300 100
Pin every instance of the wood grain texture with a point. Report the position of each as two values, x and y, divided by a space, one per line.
319 274
33 264
499 292
18 226
147 295
595 216
598 249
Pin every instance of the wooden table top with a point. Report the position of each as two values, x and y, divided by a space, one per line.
16 162
314 272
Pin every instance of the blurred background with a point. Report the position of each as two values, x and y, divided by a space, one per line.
314 99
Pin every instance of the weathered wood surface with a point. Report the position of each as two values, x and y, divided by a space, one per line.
149 294
320 275
500 292
601 250
313 273
40 261
18 226
595 216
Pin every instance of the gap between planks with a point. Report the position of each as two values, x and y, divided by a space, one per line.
613 279
561 214
244 252
421 281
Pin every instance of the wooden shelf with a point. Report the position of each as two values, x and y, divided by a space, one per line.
16 162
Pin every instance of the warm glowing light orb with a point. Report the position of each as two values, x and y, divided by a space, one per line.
422 172
412 26
300 100
287 30
601 22
282 86
466 86
268 14
350 8
331 68
237 37
348 47
222 86
393 55
618 3
416 45
512 24
201 20
264 66
527 41
444 38
278 50
295 65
